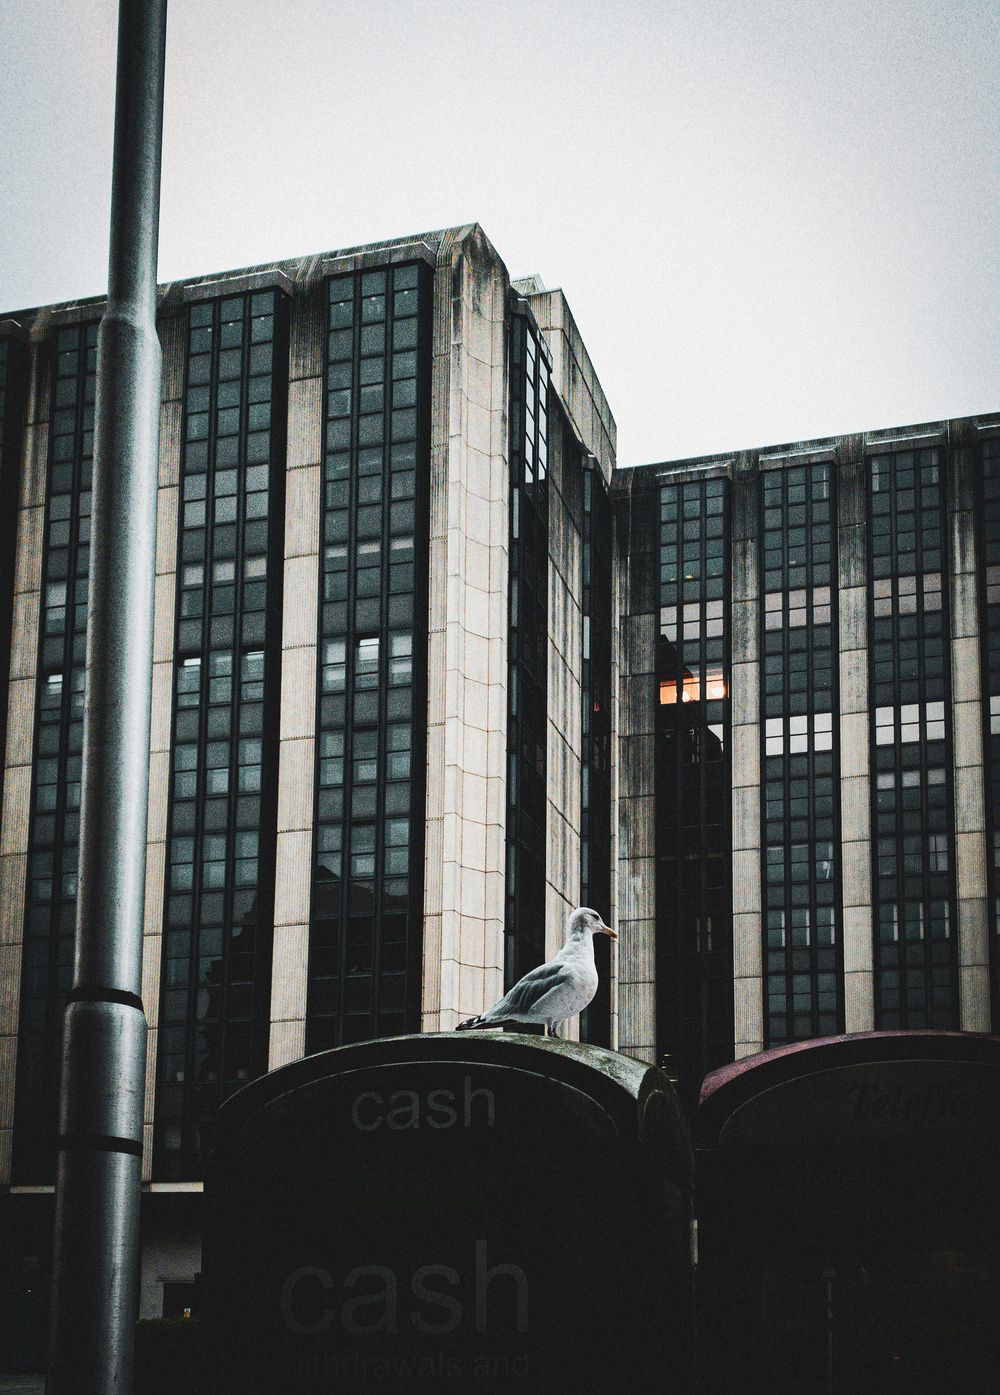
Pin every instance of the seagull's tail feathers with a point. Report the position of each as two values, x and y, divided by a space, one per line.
469 1024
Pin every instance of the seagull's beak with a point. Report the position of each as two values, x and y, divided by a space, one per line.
603 929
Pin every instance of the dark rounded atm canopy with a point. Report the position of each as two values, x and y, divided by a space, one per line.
486 1211
866 1088
640 1098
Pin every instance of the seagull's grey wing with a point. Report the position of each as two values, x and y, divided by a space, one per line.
529 990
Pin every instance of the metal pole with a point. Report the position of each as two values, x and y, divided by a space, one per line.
96 1262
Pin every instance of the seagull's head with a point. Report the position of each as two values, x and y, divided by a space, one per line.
585 921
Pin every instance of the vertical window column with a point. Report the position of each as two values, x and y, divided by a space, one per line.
50 919
800 756
693 899
913 874
215 980
367 896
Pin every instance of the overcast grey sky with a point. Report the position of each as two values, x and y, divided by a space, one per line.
772 220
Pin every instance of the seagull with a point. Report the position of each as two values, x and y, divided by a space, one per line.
557 990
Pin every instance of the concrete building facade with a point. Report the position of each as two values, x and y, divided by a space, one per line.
430 671
370 748
819 708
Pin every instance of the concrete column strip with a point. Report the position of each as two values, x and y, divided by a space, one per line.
748 983
967 749
297 730
172 345
23 678
467 648
855 776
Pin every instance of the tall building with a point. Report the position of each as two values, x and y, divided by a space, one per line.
429 671
809 664
380 742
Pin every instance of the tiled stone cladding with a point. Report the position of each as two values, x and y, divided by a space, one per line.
19 753
966 566
467 646
746 716
635 871
855 796
297 739
14 367
172 343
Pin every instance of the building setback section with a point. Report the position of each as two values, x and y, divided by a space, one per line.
889 742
